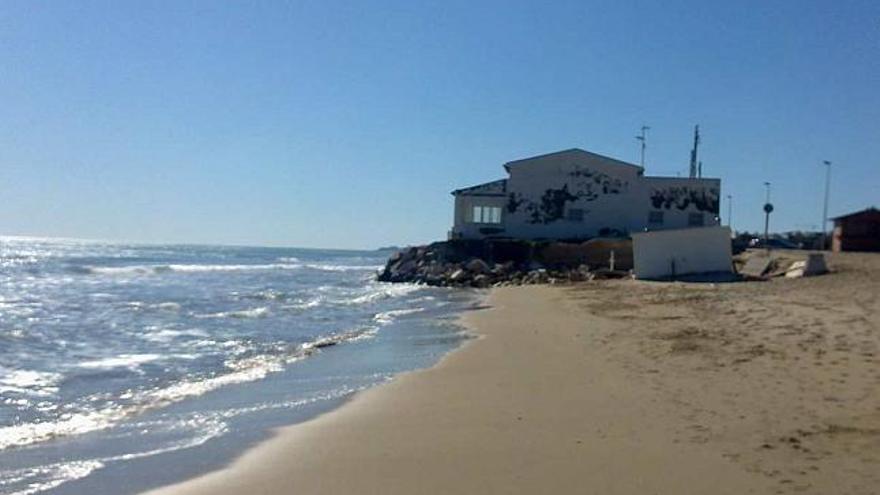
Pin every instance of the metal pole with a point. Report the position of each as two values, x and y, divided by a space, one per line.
642 160
767 218
643 137
730 211
825 207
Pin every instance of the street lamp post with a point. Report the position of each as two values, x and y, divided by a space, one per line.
825 207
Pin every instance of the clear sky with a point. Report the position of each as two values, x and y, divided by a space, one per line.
346 124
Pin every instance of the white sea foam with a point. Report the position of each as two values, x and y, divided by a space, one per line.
75 424
340 337
69 424
368 333
260 312
341 268
387 317
183 268
29 382
13 333
232 268
130 361
383 292
305 304
117 270
167 335
241 371
263 295
42 478
207 425
164 306
47 477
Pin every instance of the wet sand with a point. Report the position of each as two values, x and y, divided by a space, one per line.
615 387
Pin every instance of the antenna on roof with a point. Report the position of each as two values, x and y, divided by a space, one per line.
643 137
694 169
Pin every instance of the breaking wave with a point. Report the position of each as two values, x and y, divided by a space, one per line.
383 292
199 268
29 382
42 478
123 351
387 317
241 370
260 312
178 268
205 425
343 268
130 361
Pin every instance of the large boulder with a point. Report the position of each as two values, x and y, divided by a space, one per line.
404 268
482 281
459 275
502 269
477 266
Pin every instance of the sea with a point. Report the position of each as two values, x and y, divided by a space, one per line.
124 367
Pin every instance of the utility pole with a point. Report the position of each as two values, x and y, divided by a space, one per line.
693 170
643 137
730 211
768 209
825 207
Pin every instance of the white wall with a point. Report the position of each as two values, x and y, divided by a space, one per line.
678 198
695 250
610 193
604 189
464 204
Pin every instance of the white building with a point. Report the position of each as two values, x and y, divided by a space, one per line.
575 194
672 253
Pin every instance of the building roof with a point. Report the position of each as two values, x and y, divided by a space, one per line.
571 151
493 188
867 211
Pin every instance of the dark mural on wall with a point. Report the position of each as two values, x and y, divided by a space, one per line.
682 197
583 185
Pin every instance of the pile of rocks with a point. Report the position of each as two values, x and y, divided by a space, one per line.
435 265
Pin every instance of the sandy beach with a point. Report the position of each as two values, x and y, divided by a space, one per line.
613 387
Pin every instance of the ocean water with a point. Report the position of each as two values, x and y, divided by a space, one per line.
125 367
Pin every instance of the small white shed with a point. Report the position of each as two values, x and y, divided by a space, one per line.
671 253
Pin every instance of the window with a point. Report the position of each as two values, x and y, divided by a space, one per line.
655 217
576 214
695 220
495 217
486 214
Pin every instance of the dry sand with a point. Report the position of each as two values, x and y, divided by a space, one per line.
616 387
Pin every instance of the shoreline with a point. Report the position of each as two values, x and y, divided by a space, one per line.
620 387
505 412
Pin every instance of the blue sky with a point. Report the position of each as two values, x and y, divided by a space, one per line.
346 124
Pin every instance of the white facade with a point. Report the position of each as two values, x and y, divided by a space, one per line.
575 194
671 253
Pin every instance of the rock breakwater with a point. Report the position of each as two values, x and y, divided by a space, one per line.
488 263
